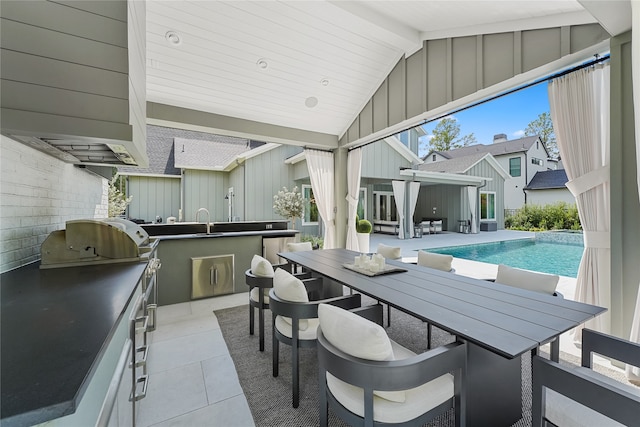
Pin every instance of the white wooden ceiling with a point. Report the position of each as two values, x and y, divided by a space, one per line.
335 51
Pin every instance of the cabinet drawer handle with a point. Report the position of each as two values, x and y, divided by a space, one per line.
213 276
144 379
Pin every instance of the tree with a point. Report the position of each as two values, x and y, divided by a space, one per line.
543 127
446 136
117 201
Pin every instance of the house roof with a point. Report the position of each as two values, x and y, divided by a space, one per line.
462 165
496 149
216 154
547 180
160 153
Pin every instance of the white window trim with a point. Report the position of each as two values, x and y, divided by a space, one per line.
304 187
480 206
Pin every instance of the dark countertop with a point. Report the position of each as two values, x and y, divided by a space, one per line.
55 325
263 233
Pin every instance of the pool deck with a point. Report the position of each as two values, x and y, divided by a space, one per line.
479 270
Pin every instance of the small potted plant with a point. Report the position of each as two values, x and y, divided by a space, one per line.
363 229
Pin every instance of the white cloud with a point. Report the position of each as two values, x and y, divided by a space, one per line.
518 133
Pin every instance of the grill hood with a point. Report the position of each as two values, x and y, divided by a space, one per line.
91 241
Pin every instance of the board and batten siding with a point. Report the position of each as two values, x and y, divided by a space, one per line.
205 189
265 175
236 180
445 198
447 70
495 184
75 69
153 196
381 161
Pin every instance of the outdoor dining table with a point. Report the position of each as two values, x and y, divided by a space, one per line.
499 323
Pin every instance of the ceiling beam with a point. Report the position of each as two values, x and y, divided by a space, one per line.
614 16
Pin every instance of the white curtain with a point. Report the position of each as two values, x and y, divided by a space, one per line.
414 190
633 373
580 111
354 166
321 173
398 194
472 194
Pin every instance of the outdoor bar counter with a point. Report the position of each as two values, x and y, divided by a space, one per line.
56 327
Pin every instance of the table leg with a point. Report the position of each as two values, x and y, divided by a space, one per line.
494 388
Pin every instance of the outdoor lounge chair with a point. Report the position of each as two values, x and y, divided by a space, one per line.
572 397
294 305
367 379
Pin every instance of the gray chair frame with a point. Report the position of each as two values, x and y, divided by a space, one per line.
388 376
602 397
297 311
263 283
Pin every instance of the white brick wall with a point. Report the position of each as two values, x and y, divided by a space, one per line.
38 194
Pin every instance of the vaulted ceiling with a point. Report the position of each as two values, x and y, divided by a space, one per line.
312 65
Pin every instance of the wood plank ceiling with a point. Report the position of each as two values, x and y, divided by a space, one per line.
309 65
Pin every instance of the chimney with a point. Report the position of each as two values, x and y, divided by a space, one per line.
500 137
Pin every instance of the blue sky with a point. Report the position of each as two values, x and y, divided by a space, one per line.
509 114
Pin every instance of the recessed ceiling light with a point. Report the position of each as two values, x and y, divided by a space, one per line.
262 64
324 82
173 38
311 102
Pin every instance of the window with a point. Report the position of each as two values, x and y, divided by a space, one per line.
535 161
362 204
310 214
514 166
487 206
433 158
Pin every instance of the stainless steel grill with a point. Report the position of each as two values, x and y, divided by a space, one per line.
95 241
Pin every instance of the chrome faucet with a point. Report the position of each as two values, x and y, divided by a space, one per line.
208 218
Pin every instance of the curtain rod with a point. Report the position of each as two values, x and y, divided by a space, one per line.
595 61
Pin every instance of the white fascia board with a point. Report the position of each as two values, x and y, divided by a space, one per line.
444 178
403 150
258 151
295 159
148 175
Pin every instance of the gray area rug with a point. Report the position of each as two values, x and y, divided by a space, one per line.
269 398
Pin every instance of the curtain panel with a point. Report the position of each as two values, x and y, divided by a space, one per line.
472 195
354 168
398 194
633 373
414 191
580 112
321 173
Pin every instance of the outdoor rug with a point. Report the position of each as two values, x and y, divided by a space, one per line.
269 398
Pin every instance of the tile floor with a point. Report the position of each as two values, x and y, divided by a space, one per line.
193 379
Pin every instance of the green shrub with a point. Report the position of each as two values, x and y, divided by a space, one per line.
557 216
364 226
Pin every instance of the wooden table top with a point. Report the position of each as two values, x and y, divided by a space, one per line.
506 320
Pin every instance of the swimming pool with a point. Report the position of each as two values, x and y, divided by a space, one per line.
545 257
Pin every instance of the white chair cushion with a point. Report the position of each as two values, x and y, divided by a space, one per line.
309 333
389 252
357 337
524 279
417 401
437 261
564 411
255 294
298 247
261 267
289 288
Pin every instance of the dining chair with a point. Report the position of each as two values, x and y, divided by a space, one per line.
577 397
259 278
367 379
298 247
294 305
439 262
530 280
389 252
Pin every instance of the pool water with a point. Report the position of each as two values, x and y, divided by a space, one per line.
545 257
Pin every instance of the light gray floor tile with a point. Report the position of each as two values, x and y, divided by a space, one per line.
168 313
209 305
220 378
233 412
184 350
187 325
173 393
